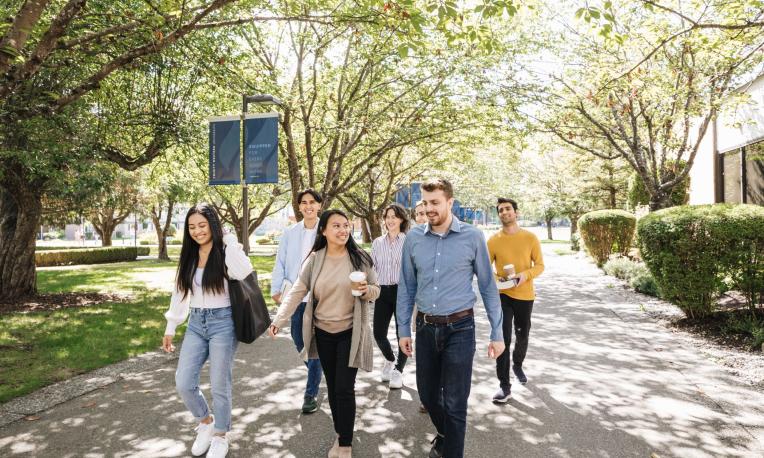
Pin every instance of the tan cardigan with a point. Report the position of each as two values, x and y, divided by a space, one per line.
361 350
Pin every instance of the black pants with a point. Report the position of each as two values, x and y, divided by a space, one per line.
519 312
334 353
384 310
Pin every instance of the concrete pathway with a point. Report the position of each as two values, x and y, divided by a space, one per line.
605 381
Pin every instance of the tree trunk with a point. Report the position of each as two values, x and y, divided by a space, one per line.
573 224
161 237
20 213
374 230
548 221
365 231
104 227
161 241
106 236
613 191
660 201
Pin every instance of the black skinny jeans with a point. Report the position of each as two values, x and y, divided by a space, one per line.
384 310
334 353
519 312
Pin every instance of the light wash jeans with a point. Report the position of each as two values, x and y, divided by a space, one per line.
210 334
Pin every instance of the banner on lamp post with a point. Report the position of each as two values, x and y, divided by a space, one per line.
408 195
261 153
224 142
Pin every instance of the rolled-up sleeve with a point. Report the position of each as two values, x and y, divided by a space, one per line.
407 286
488 289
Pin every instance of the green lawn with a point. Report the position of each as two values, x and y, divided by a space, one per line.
37 349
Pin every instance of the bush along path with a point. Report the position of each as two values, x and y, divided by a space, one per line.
604 380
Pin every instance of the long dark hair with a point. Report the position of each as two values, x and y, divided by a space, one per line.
358 257
213 278
399 212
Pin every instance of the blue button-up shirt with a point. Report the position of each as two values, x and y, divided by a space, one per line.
289 258
437 270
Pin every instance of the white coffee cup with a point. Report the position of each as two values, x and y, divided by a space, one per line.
356 278
509 270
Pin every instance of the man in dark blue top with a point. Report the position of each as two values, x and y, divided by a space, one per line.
437 268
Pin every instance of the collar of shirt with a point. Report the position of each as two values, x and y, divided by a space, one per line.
455 227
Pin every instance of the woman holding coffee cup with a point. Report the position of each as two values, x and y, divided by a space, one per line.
386 252
340 282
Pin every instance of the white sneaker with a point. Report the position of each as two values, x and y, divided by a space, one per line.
396 380
386 370
218 448
203 438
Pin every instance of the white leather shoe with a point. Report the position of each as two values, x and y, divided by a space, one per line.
203 438
218 447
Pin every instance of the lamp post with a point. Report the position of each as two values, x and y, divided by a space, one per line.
257 99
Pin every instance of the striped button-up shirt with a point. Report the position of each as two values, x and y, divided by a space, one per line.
386 255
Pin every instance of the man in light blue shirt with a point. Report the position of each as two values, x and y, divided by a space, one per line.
439 262
296 243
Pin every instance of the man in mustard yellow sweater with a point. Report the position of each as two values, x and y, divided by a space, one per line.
521 248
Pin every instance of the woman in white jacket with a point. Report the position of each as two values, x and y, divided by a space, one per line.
207 259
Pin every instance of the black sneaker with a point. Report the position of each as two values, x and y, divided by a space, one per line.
437 446
310 404
520 374
502 396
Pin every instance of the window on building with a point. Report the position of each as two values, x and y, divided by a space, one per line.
754 173
731 176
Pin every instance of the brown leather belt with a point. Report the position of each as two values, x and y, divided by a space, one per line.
444 319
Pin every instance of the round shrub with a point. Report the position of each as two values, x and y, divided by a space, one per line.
607 232
691 250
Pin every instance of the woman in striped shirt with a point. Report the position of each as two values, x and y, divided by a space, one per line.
386 252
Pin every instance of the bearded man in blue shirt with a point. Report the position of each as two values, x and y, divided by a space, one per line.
439 262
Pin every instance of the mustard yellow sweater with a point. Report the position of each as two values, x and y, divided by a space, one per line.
524 251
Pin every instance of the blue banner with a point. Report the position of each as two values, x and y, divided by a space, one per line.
408 195
403 197
416 193
225 163
261 153
457 210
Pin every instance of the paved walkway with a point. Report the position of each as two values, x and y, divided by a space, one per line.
605 381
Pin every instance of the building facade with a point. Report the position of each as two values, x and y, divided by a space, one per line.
729 166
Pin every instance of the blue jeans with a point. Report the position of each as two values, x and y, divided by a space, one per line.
443 377
210 335
313 365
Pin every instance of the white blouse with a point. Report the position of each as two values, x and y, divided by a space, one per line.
239 267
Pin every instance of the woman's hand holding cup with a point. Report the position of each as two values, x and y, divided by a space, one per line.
358 284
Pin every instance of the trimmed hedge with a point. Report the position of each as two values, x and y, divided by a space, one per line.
88 256
144 251
56 248
693 250
607 232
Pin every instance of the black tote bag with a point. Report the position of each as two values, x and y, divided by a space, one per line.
250 314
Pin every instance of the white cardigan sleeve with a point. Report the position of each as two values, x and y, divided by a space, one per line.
237 262
178 311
